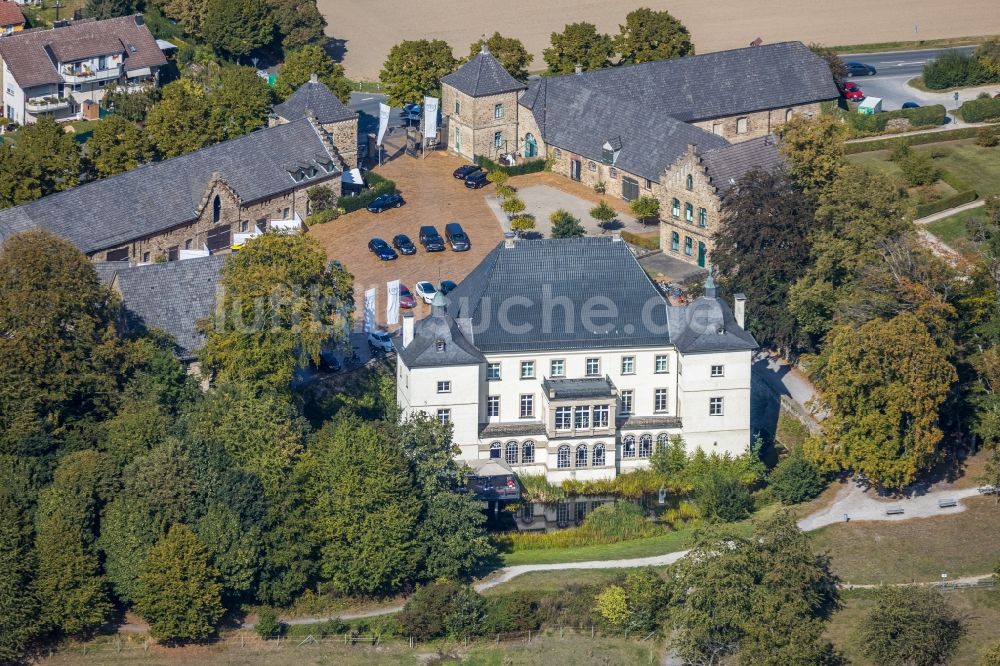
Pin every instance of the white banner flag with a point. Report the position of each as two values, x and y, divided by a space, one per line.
392 303
430 117
370 296
383 121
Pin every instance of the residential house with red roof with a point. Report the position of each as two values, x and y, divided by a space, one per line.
11 18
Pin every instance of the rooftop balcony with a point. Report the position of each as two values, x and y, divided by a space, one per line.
46 104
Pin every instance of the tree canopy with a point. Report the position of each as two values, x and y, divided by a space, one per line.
44 159
578 44
116 146
649 35
564 225
910 626
302 63
237 27
508 50
414 69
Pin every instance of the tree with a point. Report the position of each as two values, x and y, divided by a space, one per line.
365 508
279 307
69 583
268 625
178 591
815 150
189 13
522 223
241 102
721 496
130 105
442 608
298 22
512 205
508 50
117 146
564 225
43 160
613 606
884 384
991 655
910 626
991 472
18 603
302 63
603 213
62 358
107 9
652 35
988 55
414 69
578 44
645 208
762 248
795 479
237 27
182 121
837 68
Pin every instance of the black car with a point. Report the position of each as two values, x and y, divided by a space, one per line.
456 237
446 287
403 243
431 239
463 172
477 180
381 249
859 69
910 105
380 203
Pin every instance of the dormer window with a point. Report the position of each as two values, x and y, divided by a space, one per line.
312 172
610 150
328 167
298 175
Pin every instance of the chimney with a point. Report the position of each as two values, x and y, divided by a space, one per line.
740 309
140 20
407 329
509 238
616 236
314 78
578 69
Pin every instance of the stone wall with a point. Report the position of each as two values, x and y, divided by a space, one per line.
476 121
593 172
752 125
345 139
701 195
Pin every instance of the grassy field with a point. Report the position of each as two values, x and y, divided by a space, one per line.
911 45
977 166
964 544
981 609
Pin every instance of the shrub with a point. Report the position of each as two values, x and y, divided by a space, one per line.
645 242
321 198
600 187
565 225
876 123
522 223
918 169
991 655
442 608
497 177
610 523
573 605
324 216
603 213
530 166
988 137
909 626
918 139
508 613
645 207
900 152
722 497
953 69
377 187
613 606
980 110
268 625
512 205
795 479
505 190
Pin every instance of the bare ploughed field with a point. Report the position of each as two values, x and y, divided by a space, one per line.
372 27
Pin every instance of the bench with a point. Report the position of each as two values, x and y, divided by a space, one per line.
946 503
894 511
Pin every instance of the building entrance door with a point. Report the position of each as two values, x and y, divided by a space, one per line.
575 166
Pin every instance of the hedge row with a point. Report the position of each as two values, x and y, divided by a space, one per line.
963 195
925 116
645 242
980 110
915 140
534 166
377 187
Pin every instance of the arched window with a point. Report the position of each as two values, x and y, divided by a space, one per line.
702 217
645 446
562 456
789 114
495 450
510 453
688 213
675 241
690 182
528 452
675 208
628 446
530 145
581 455
216 209
662 440
598 457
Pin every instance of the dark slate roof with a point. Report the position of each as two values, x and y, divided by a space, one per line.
173 297
423 352
707 324
314 96
639 422
159 196
572 389
555 276
481 76
728 164
27 53
713 85
581 119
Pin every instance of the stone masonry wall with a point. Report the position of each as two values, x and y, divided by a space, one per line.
345 138
593 172
673 185
758 123
477 122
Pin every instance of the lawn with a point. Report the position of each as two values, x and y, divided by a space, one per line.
977 166
981 609
648 547
963 544
553 581
954 230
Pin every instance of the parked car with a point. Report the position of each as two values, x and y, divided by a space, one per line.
406 300
431 239
381 249
328 362
466 170
446 287
403 243
426 291
859 69
477 180
379 342
411 108
456 237
384 201
910 105
852 92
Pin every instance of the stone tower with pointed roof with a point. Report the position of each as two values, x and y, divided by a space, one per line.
479 101
314 99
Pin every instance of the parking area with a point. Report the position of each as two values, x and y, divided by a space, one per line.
432 196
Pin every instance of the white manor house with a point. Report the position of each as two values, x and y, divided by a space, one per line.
560 357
